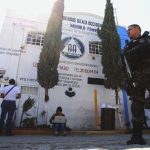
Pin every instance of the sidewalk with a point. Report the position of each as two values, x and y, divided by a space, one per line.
43 139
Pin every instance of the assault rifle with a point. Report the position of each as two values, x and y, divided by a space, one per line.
129 74
128 71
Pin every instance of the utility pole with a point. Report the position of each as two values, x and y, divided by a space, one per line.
115 11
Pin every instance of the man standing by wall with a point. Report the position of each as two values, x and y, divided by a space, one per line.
9 94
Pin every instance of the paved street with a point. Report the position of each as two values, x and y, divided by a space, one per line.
70 142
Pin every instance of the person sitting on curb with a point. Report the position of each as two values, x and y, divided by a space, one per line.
58 121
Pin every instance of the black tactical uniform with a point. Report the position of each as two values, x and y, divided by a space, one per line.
137 58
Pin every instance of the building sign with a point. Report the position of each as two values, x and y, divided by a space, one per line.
73 48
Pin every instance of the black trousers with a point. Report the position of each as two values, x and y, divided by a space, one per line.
7 108
137 110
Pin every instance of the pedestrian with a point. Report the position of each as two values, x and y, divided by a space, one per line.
9 94
137 63
58 121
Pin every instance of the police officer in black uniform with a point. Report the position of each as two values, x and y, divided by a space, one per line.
136 56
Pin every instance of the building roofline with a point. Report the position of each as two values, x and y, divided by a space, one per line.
84 13
14 14
44 21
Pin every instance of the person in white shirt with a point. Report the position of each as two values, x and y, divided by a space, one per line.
9 94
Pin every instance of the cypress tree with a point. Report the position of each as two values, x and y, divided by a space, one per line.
47 73
111 50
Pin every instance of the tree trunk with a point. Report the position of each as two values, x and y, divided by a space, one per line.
21 118
46 115
116 96
46 95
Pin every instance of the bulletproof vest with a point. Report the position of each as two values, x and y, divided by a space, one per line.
137 52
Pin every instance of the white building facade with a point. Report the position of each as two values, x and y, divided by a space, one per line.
80 68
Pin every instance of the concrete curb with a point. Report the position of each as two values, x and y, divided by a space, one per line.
46 131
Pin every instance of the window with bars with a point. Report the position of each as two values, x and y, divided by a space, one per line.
29 90
35 39
95 48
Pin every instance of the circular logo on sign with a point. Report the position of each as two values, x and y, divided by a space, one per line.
72 48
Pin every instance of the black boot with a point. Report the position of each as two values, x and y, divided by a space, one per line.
137 137
140 141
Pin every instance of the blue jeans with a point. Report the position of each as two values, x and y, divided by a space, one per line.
58 127
7 107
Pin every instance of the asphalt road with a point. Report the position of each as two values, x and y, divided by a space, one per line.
70 142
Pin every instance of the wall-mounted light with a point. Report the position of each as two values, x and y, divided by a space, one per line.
93 57
6 78
2 72
22 47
